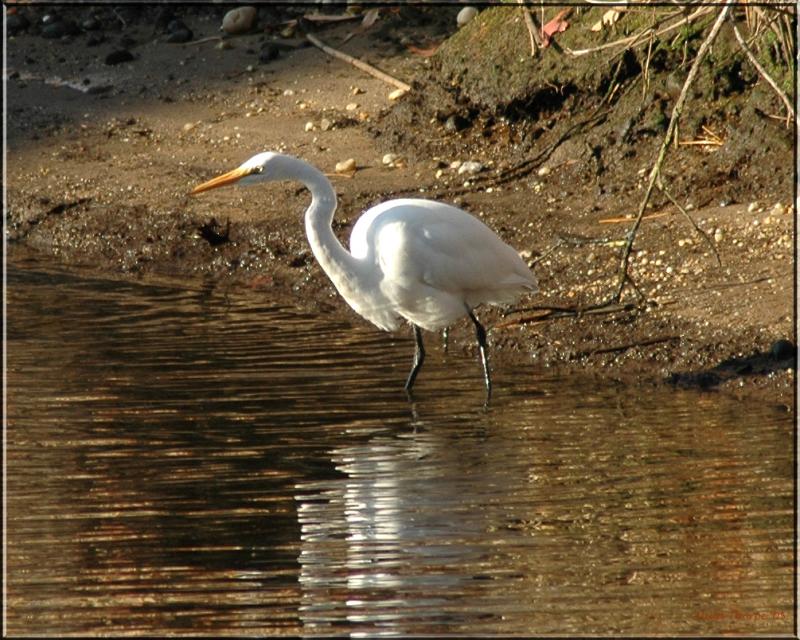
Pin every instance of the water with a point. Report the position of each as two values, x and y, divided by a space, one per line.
185 460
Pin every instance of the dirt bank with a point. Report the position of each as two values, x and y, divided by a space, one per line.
101 158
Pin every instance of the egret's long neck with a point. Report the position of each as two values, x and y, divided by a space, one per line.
341 267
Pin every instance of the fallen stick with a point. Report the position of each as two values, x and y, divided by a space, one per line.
536 41
630 40
627 219
377 73
761 69
655 172
625 347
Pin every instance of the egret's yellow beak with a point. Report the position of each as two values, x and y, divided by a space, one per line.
225 179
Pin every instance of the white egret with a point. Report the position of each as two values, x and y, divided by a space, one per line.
420 260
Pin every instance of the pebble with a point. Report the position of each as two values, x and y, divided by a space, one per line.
543 171
357 91
777 210
352 106
390 158
782 349
16 22
465 15
325 124
180 35
239 20
455 164
118 57
346 166
309 126
469 167
54 30
189 126
269 52
718 235
397 94
223 45
455 123
288 92
752 207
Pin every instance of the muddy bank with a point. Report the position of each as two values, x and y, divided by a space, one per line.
101 158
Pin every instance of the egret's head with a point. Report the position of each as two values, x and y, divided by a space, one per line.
261 167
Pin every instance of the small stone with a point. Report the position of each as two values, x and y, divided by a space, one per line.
390 158
718 235
346 166
777 209
783 349
357 91
455 123
325 124
469 167
118 57
239 20
189 126
54 30
455 164
309 126
16 22
223 45
352 106
288 92
752 207
269 52
179 36
439 173
544 171
397 94
465 15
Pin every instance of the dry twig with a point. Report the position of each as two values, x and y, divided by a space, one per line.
655 172
761 69
377 73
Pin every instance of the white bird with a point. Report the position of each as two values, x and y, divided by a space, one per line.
420 260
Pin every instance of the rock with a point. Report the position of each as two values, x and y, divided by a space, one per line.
390 158
352 106
17 23
718 235
288 92
223 45
90 24
543 171
269 52
54 30
783 349
345 166
357 90
465 15
309 126
469 167
119 56
325 124
179 36
239 20
751 208
455 123
397 94
777 210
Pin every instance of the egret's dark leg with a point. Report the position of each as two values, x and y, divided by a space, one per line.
480 333
419 358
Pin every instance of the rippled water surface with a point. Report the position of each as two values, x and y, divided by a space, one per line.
186 460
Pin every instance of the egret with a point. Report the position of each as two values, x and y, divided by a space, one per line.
424 261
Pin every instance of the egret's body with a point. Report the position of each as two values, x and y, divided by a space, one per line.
420 260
